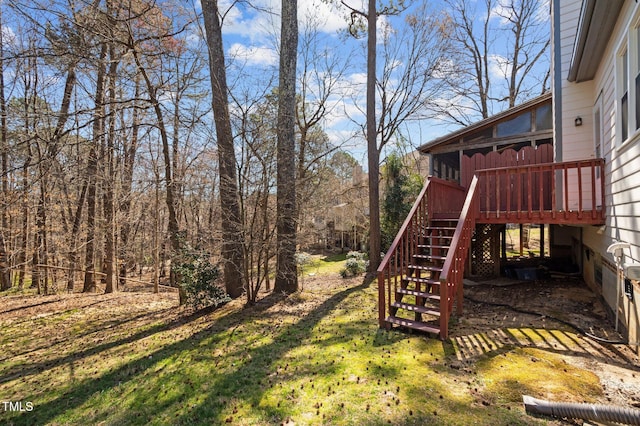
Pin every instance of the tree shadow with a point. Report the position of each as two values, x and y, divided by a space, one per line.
252 374
107 325
25 370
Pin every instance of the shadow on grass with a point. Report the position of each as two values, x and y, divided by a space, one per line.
33 305
248 381
113 324
340 257
493 342
25 370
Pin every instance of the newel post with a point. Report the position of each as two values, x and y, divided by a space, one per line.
382 304
444 309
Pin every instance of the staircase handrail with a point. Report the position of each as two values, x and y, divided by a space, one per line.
403 229
393 250
453 268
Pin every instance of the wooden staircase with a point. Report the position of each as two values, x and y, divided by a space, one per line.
417 301
421 275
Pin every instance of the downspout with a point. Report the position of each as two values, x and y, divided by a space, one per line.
556 66
597 412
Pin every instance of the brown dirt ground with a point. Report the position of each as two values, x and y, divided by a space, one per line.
555 304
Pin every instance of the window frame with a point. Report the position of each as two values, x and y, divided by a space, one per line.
627 76
622 94
598 131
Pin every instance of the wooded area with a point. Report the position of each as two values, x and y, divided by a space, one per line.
131 137
203 146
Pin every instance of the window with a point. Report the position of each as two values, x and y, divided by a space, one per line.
515 126
543 118
624 95
597 131
628 85
636 75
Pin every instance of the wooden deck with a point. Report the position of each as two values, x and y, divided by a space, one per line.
420 277
526 186
568 193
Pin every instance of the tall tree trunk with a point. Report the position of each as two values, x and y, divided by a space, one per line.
373 154
40 249
129 161
92 173
286 272
109 204
89 262
75 231
5 267
24 237
174 229
232 238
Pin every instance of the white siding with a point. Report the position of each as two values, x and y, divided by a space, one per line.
577 99
622 174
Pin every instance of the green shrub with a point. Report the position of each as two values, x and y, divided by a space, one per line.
198 278
355 265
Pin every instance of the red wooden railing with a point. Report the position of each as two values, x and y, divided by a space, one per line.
529 193
453 268
512 194
438 198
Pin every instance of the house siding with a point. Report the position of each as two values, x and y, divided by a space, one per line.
622 169
577 101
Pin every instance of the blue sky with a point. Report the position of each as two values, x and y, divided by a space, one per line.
251 41
251 38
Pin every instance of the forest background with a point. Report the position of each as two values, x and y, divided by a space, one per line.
108 149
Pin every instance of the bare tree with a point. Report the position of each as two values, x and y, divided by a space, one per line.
412 78
286 272
508 36
257 169
232 252
319 91
5 271
366 21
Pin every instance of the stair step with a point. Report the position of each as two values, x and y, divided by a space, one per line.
428 267
415 308
430 257
439 233
441 228
445 216
422 280
416 325
430 296
433 246
425 268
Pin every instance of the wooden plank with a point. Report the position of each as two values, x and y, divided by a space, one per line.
416 325
416 308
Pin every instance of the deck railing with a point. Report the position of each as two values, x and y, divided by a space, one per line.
517 194
438 198
531 192
453 268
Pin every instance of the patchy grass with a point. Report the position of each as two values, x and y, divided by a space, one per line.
317 357
326 265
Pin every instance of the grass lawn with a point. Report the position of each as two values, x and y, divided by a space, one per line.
317 357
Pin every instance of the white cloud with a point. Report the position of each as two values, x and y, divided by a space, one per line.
358 78
499 66
263 18
328 18
253 55
503 11
8 35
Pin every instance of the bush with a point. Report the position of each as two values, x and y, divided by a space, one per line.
355 265
198 278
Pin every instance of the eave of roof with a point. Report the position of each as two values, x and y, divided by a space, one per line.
455 136
596 23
